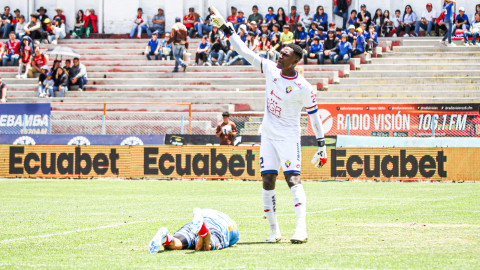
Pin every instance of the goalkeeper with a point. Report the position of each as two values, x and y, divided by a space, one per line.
286 94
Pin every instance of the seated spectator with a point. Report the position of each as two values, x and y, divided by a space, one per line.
153 47
330 46
202 50
16 19
255 30
372 39
90 22
158 22
255 18
461 22
42 17
364 16
396 20
60 15
321 34
252 44
270 18
243 32
34 27
60 82
167 51
68 66
359 43
275 30
3 90
286 37
78 26
215 32
344 50
139 25
331 26
427 21
352 20
189 19
230 54
440 23
6 22
300 36
217 51
477 10
264 46
20 27
45 87
41 79
12 50
47 32
58 31
341 9
339 33
241 20
233 18
293 18
313 31
378 21
407 22
473 33
275 47
39 60
78 74
388 23
281 17
24 63
204 27
56 65
307 17
315 52
321 17
351 34
26 41
265 31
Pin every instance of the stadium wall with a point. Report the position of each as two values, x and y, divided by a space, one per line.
116 16
226 162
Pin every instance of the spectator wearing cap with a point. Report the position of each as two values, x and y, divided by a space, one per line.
232 18
202 50
344 50
179 39
78 74
330 45
270 18
241 20
91 21
331 26
256 17
42 16
315 52
321 34
58 31
154 47
473 33
371 39
427 21
358 43
226 130
275 29
204 27
12 50
264 46
255 30
139 25
352 20
16 18
286 37
341 9
47 32
364 16
351 34
24 63
320 17
158 22
167 51
264 31
45 86
242 33
300 35
306 17
461 21
6 19
60 15
39 60
3 91
20 27
293 18
60 82
407 22
217 51
281 17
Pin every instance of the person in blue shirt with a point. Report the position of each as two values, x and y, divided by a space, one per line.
315 52
241 20
448 10
358 43
344 50
461 21
351 34
202 49
167 48
321 17
209 230
270 18
352 20
321 33
371 39
153 47
313 30
339 32
275 30
300 35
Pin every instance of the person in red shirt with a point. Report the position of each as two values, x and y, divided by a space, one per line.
39 60
60 15
189 19
24 63
12 50
90 22
293 18
233 17
440 23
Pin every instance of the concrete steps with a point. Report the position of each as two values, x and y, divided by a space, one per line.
418 67
426 61
446 89
403 80
439 48
446 55
416 74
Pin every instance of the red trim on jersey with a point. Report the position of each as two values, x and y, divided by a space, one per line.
311 107
261 65
289 78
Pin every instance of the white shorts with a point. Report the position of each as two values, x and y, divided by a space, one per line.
274 154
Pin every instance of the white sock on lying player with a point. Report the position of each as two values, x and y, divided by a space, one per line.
300 205
269 207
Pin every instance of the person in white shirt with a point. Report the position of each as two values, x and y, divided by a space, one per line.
396 19
139 25
58 31
306 17
427 22
287 93
474 31
19 28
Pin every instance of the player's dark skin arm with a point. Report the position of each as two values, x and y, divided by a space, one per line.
269 180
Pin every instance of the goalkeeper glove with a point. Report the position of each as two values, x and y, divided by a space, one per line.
320 157
218 20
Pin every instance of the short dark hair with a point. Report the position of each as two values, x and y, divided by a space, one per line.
76 58
225 113
398 10
296 49
12 32
68 60
22 17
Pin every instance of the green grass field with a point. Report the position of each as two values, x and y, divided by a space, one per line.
51 224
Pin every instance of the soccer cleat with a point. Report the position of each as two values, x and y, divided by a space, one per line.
299 237
197 221
274 237
158 240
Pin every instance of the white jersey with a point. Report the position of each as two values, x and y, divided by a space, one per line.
285 97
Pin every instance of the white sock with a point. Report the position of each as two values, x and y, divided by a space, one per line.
269 207
300 205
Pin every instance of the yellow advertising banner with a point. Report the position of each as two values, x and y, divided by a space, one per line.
227 162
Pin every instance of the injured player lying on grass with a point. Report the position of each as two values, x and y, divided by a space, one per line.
209 230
